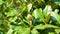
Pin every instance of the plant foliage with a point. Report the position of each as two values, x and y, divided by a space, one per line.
29 16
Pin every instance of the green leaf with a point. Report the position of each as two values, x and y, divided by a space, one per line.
57 2
51 33
10 31
29 7
34 31
47 10
26 31
1 32
12 12
47 18
41 26
21 29
57 31
12 19
56 16
24 0
38 14
1 2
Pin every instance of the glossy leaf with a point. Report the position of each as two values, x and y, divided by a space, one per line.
12 12
47 19
10 31
41 26
29 7
47 10
51 33
38 14
27 31
34 31
55 15
57 31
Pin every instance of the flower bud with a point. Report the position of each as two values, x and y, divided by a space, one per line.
29 16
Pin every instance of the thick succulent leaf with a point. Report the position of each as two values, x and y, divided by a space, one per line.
57 2
24 7
38 14
47 18
34 31
12 12
29 6
1 32
57 31
26 31
24 0
1 2
51 33
21 29
41 26
47 10
12 19
56 16
10 31
35 13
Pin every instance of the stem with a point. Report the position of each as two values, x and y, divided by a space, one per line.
31 25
